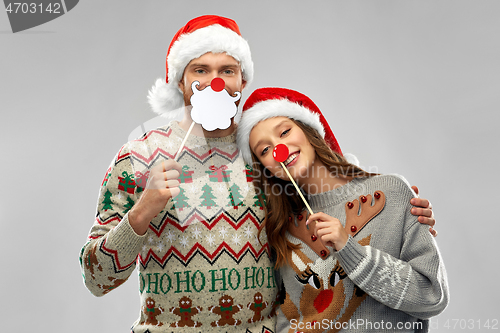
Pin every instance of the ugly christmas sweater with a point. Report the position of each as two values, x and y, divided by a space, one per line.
201 267
388 277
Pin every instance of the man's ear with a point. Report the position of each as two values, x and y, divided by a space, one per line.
243 84
181 84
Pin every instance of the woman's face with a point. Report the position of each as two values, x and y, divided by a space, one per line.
273 131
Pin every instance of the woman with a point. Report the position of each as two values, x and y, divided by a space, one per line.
362 261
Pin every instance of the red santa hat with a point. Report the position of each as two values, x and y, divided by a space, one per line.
208 33
265 103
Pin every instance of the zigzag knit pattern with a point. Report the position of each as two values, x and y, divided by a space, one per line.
200 263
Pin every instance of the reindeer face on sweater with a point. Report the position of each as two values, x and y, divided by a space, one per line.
326 290
323 287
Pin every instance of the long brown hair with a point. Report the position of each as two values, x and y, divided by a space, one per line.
280 207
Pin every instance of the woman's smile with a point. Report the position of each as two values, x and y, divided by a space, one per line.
292 158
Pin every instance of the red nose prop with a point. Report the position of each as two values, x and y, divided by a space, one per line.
280 153
217 84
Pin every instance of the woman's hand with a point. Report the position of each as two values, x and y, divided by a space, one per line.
329 230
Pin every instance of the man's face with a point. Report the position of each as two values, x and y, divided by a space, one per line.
209 66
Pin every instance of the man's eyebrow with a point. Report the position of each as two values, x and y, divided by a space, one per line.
197 64
274 129
200 64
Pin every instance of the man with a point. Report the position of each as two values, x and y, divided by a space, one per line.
192 230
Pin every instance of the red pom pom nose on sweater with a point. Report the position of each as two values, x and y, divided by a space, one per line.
323 300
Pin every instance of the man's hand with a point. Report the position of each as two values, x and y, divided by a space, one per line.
162 186
423 209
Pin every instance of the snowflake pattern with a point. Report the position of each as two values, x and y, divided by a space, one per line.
248 232
256 241
390 271
244 189
184 241
196 233
223 232
389 277
156 141
221 188
211 239
170 144
236 239
170 236
160 246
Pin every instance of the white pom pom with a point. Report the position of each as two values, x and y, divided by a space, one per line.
351 159
164 97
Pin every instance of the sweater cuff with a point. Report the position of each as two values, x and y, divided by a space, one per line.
125 241
351 255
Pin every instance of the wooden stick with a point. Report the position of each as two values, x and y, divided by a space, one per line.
298 190
183 142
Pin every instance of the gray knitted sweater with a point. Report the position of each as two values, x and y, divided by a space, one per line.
388 277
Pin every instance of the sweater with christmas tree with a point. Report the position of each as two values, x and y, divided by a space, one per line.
201 267
388 277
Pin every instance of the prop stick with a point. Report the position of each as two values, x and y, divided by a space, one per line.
183 142
280 154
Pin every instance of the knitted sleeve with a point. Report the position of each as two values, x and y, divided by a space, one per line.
415 282
109 256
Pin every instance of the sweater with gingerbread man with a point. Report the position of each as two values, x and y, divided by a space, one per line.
201 267
388 277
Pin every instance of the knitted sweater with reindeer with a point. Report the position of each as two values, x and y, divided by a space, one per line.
389 275
201 267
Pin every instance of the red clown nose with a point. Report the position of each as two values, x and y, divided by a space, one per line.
280 153
217 84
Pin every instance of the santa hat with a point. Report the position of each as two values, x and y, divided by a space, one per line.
265 103
208 33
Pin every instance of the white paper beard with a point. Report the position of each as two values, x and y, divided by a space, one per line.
213 109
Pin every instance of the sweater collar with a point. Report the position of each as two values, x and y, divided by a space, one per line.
320 201
174 125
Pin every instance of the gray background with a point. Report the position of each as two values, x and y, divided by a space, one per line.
410 87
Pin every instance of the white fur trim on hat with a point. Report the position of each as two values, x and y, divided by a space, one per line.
270 109
351 159
164 97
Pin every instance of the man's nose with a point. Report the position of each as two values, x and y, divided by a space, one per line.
211 75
